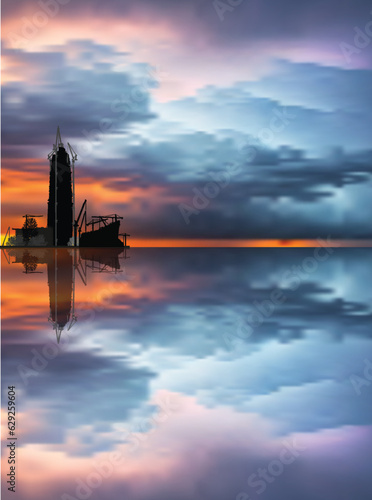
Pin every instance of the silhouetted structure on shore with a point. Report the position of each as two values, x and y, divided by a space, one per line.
62 227
60 209
106 234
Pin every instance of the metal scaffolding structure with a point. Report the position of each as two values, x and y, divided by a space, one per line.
74 158
54 152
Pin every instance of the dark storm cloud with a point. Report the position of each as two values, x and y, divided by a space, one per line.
315 87
251 19
247 208
83 101
318 107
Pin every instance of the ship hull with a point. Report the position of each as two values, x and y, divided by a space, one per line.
106 236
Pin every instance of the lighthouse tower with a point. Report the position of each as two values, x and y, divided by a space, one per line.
60 204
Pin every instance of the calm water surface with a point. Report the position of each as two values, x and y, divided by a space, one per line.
182 374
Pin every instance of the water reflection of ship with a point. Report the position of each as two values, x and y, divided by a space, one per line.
62 267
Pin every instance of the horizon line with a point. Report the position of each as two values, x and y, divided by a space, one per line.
232 243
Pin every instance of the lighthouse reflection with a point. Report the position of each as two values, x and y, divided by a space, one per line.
61 283
64 266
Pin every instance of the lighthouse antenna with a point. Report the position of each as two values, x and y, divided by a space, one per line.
59 142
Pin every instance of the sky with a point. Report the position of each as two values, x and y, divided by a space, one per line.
177 110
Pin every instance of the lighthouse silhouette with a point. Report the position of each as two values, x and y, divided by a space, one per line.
60 206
